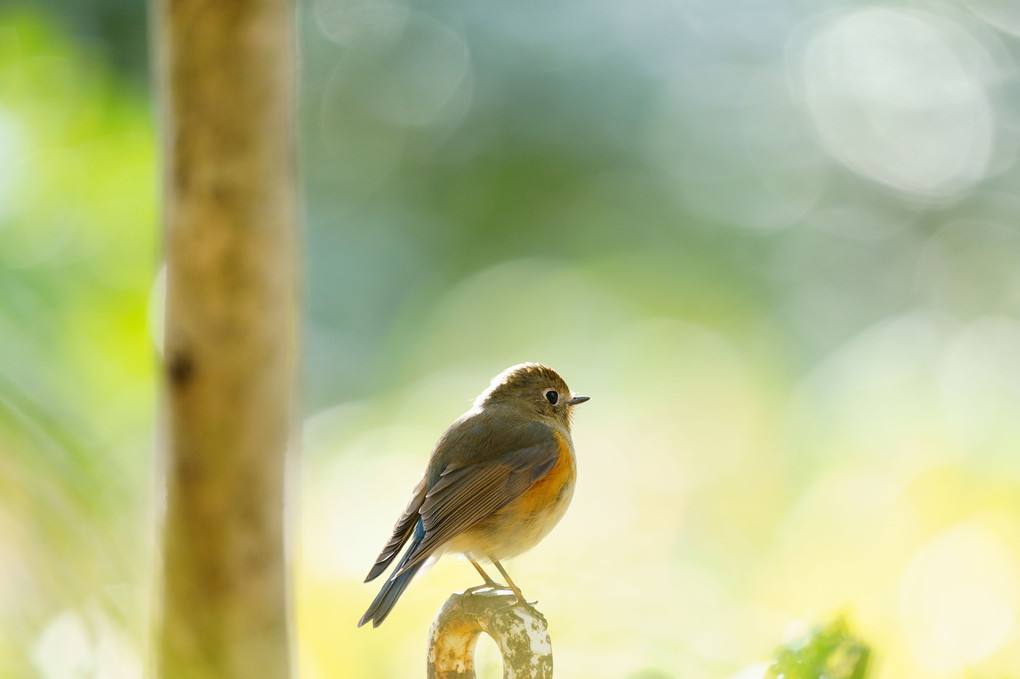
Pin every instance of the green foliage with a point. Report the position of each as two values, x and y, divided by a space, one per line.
685 211
829 652
77 236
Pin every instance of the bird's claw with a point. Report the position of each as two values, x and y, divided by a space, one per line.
529 605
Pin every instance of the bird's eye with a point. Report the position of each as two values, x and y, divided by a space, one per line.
552 396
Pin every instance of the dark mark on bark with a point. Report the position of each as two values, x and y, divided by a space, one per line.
180 369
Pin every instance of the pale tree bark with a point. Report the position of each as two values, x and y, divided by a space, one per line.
226 71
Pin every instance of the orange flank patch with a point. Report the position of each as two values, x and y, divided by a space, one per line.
549 491
523 522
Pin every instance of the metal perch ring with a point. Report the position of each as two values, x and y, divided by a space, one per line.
519 631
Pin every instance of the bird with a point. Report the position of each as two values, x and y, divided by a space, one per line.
497 481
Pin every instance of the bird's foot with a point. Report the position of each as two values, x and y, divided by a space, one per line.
522 602
485 587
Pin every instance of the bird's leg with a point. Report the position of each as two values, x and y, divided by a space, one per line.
515 588
530 605
489 582
481 571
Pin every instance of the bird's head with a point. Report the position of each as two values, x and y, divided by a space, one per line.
531 389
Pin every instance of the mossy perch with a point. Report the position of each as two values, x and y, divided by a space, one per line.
519 630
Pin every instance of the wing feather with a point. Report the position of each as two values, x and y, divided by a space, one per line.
464 495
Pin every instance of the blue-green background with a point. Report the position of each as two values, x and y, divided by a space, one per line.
777 243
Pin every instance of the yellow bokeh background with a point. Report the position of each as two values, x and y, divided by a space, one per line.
776 245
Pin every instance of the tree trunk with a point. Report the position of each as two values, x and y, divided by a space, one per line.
226 72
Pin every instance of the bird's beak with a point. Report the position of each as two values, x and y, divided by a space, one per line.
577 400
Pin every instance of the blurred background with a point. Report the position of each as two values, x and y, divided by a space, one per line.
776 243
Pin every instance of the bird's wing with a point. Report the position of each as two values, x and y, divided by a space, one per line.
401 531
466 494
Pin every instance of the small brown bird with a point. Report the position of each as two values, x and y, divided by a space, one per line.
498 480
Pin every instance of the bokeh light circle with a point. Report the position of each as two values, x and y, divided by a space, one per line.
900 97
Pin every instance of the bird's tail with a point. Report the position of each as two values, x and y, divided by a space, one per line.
395 585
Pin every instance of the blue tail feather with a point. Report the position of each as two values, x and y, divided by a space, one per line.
395 584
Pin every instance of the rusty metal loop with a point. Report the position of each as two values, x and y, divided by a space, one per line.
520 633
